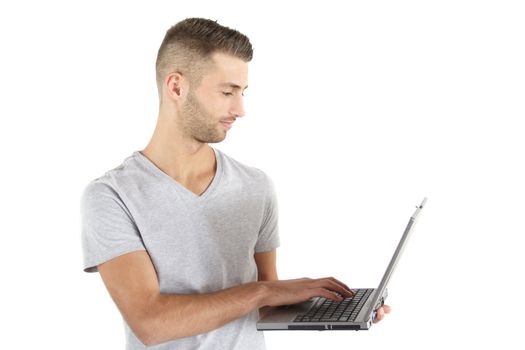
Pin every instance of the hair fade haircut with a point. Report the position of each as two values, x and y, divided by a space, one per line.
188 46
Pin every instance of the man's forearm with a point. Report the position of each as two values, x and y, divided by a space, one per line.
171 316
167 317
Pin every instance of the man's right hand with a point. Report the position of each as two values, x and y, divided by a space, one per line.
295 291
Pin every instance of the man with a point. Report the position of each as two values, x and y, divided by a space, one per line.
184 236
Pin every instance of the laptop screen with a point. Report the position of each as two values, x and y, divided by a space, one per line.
393 262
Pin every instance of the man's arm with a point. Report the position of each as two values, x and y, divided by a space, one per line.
156 318
266 266
266 271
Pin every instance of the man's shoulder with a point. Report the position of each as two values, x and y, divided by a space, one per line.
234 166
110 181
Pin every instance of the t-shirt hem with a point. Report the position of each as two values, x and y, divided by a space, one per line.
91 266
266 248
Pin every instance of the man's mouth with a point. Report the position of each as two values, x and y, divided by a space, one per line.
227 124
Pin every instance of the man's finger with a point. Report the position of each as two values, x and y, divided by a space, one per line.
334 286
341 283
380 313
322 292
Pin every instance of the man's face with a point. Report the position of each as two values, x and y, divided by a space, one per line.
210 110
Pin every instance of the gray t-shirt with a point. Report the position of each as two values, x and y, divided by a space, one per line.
198 244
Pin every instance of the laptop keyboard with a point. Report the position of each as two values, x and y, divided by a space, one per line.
327 310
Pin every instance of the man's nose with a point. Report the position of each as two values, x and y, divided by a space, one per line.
238 107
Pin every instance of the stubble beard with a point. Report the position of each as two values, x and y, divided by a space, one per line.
198 124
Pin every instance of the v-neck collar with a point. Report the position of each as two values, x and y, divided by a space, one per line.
181 189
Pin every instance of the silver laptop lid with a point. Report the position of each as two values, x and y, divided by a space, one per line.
393 262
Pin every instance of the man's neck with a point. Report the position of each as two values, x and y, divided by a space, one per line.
185 162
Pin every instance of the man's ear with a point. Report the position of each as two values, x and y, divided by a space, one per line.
173 84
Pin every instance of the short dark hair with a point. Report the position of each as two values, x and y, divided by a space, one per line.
189 44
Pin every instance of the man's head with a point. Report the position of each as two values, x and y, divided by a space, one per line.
202 70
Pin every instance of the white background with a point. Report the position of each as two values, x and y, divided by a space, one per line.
356 111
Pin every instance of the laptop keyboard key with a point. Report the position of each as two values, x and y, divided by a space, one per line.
330 311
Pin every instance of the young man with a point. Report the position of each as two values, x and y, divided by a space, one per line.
184 236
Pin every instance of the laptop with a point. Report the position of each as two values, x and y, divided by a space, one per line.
355 313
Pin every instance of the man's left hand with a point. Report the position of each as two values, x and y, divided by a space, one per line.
380 313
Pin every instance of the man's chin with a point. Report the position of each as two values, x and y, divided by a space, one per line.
215 139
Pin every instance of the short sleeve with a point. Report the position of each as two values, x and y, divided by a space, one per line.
107 227
269 233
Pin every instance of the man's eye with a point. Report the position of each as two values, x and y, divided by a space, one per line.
227 93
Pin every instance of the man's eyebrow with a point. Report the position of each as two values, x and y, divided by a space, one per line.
233 85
